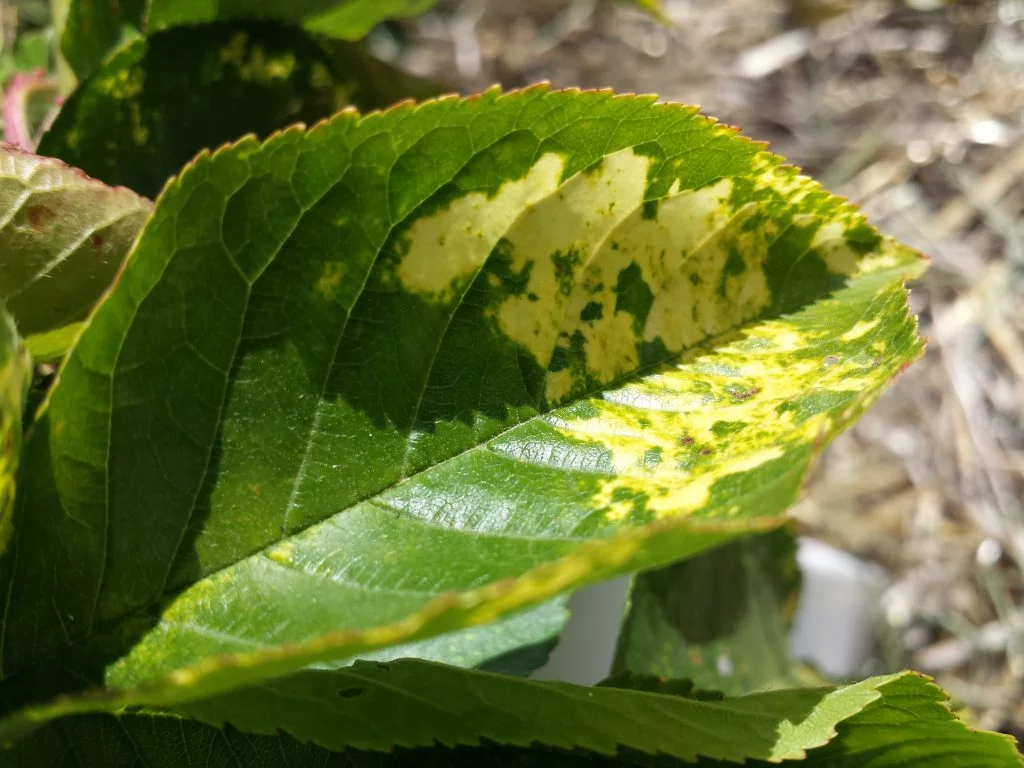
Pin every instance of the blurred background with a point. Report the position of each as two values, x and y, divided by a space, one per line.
912 527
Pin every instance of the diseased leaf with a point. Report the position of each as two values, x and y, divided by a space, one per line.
149 109
96 27
64 236
15 378
720 619
347 19
415 713
424 369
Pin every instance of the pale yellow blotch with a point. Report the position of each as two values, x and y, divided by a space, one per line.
613 350
123 84
202 593
282 553
319 78
657 246
695 495
890 255
674 413
234 52
140 132
690 239
831 242
794 187
574 219
448 246
680 498
183 677
673 318
859 329
585 564
330 278
253 65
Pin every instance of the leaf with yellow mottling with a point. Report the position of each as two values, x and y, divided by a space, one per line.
147 109
15 377
347 19
397 376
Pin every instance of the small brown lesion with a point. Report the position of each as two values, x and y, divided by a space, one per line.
741 394
39 216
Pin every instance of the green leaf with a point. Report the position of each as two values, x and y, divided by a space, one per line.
95 27
426 368
347 19
720 619
15 378
64 237
149 109
415 713
92 28
50 346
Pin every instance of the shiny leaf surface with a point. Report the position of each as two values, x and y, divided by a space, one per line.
414 713
401 375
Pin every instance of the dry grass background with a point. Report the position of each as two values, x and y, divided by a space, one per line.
915 110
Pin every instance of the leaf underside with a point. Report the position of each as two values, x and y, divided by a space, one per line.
65 236
721 619
401 375
414 713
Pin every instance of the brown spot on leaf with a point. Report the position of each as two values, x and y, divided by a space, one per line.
686 440
705 451
97 240
741 393
39 216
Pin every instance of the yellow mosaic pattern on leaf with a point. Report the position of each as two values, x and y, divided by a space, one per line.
448 246
557 237
728 407
15 378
